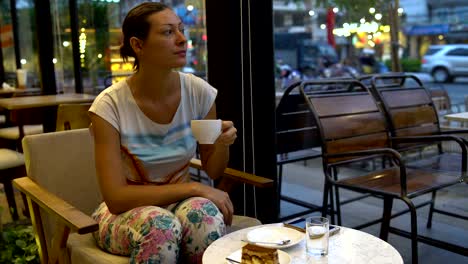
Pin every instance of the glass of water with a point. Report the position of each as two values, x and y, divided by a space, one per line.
317 229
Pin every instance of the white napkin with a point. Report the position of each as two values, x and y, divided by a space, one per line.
6 86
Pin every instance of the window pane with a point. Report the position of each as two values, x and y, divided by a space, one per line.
63 54
100 37
432 51
7 42
27 43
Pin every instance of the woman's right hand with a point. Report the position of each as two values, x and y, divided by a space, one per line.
220 199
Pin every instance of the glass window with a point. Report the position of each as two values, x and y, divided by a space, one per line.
100 38
28 48
432 51
458 52
27 44
63 54
7 42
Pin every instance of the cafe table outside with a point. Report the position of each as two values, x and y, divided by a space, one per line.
458 117
349 246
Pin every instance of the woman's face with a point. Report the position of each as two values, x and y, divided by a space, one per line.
166 44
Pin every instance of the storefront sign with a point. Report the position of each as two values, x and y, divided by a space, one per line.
6 36
424 30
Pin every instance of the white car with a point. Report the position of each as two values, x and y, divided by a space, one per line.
445 62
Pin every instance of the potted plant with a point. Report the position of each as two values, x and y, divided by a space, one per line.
17 243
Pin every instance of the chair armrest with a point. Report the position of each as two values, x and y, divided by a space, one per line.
70 216
454 131
244 177
432 138
378 151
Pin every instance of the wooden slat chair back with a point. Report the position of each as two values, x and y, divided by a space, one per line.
296 129
342 116
297 137
444 106
62 192
353 127
408 107
295 126
72 116
411 112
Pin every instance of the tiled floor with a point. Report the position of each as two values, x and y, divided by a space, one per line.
306 183
5 215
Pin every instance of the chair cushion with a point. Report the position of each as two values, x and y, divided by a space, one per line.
12 133
83 249
10 159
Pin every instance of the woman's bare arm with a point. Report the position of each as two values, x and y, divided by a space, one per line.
215 157
121 197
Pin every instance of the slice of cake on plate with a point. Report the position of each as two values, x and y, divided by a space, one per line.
252 254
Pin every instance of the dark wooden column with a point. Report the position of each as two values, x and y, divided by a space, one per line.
45 42
73 8
2 69
241 67
14 23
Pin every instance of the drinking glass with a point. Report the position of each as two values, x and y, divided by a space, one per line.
317 230
21 76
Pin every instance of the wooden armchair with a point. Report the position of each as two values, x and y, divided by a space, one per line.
353 128
62 192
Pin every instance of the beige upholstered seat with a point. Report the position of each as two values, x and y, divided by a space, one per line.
12 133
10 159
62 185
11 167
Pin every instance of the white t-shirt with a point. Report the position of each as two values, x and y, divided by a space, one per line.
153 152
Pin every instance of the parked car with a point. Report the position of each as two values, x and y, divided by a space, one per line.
445 62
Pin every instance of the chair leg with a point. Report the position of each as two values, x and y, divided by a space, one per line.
326 188
25 202
332 206
414 230
10 195
386 216
337 197
280 178
431 210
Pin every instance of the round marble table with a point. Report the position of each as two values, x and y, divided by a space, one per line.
349 246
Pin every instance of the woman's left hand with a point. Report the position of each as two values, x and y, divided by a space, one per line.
229 134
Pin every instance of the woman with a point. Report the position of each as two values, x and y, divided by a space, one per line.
143 145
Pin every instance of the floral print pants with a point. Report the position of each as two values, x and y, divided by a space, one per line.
152 234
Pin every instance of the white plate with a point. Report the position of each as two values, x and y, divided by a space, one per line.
283 257
273 234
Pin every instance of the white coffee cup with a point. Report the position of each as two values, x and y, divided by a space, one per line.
206 131
21 76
